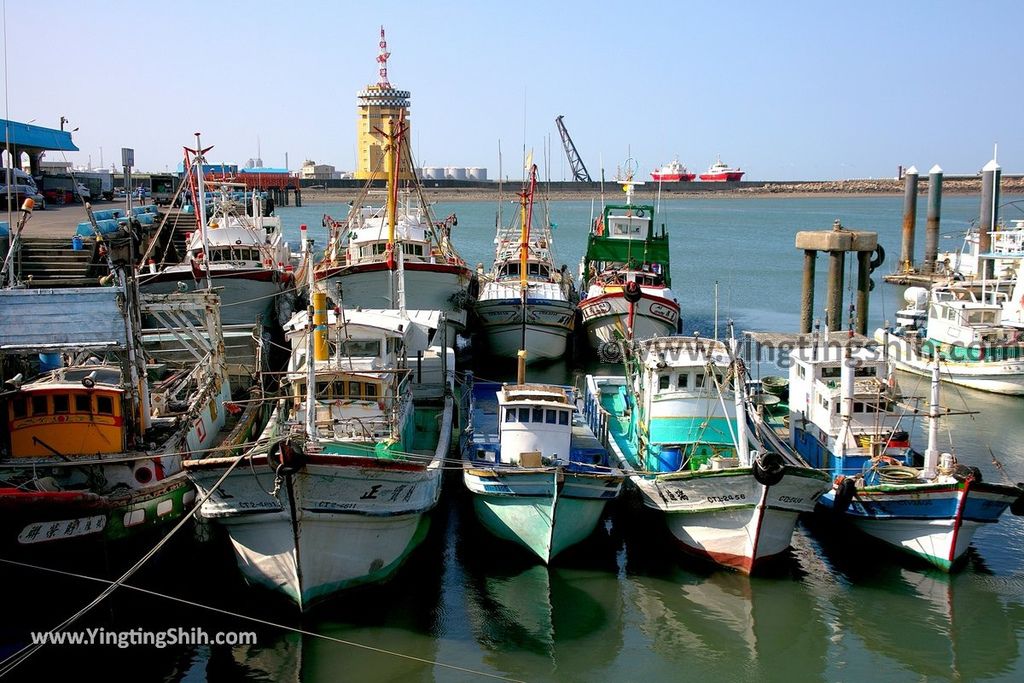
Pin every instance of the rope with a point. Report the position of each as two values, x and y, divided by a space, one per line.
256 620
19 657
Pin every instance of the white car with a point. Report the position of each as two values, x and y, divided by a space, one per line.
82 192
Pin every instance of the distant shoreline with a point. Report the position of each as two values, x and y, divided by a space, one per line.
838 189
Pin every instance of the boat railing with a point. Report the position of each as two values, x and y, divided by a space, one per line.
597 417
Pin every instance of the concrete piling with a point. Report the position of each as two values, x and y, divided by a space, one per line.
909 220
931 230
990 176
837 242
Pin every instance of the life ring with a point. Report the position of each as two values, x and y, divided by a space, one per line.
877 258
1017 506
640 213
845 490
238 242
632 292
284 458
769 469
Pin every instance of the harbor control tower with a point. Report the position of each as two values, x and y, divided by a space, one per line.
377 104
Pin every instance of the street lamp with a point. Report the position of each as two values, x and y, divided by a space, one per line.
63 120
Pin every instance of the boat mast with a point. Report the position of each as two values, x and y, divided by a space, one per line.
846 389
931 454
525 217
200 159
310 361
739 397
393 159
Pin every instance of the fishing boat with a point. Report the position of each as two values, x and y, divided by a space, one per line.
625 277
364 248
355 459
236 250
538 475
848 418
680 432
672 172
526 302
720 172
966 333
94 436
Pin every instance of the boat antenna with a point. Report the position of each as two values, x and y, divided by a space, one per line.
501 197
601 161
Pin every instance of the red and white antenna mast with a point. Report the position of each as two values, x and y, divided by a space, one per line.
382 59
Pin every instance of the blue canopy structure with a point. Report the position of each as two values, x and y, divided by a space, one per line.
20 137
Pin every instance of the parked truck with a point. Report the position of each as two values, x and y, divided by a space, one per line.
100 183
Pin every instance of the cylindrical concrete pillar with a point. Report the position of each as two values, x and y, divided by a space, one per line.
931 230
989 215
863 289
807 292
909 220
834 297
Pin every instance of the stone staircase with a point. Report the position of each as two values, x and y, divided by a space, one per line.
54 263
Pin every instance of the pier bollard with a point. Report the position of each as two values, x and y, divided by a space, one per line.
837 242
834 293
931 230
909 220
863 290
990 176
807 291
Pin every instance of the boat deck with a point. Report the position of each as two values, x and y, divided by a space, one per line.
585 448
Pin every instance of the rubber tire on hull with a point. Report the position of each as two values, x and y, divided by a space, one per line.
769 469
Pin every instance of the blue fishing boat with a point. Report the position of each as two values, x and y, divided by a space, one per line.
678 425
848 418
538 474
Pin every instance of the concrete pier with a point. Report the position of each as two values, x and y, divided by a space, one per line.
931 230
909 220
837 242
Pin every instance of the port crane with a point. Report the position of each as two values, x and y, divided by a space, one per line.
579 171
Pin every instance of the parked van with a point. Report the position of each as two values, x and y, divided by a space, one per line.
21 186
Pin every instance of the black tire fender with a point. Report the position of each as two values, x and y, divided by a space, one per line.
877 258
632 292
769 468
845 491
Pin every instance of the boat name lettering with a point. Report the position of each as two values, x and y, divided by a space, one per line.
331 505
596 309
371 493
727 499
39 532
256 504
676 495
790 499
663 312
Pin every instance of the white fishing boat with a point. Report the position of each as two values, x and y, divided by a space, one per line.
976 348
848 417
356 461
237 251
94 435
526 301
364 248
538 475
678 426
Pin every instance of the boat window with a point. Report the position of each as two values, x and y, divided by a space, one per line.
39 405
663 382
104 405
363 348
563 417
864 372
353 390
801 372
538 414
550 417
510 414
831 372
371 390
683 381
323 389
524 414
509 270
698 380
82 403
61 403
18 408
533 269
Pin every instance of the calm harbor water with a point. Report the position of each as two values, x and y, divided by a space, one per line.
623 605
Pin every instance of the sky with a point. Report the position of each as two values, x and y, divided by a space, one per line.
786 91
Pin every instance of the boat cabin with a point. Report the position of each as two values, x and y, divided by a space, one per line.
73 411
535 270
816 408
535 424
632 222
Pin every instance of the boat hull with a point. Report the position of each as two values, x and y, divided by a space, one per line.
335 523
932 521
605 318
727 516
673 177
549 324
999 377
544 511
243 296
428 286
721 177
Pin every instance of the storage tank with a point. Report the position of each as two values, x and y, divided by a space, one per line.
456 172
433 172
477 173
